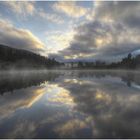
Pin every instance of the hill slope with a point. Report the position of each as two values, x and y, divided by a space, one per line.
20 59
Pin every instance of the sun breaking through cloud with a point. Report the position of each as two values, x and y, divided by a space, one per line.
72 30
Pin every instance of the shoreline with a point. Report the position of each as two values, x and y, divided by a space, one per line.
70 70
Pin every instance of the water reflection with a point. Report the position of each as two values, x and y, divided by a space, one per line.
70 104
17 80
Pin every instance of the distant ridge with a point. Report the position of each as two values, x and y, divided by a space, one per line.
12 58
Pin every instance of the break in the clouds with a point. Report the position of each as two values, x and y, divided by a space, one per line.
112 33
72 30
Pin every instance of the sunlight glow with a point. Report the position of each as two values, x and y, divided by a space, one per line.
38 94
100 95
62 97
99 42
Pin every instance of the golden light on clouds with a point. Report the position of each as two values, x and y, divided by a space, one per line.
99 42
103 41
99 96
70 127
62 96
25 99
102 96
79 55
76 81
19 37
33 39
70 8
38 94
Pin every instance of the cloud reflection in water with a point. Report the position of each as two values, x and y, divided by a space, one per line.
74 105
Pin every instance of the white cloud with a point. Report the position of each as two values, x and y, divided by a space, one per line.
70 8
23 8
54 18
19 38
58 40
111 34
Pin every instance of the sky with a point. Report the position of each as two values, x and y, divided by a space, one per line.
72 30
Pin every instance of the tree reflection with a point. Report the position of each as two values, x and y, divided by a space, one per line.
11 82
14 81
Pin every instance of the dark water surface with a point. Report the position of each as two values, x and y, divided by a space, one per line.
70 104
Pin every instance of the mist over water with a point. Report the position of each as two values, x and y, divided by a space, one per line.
69 104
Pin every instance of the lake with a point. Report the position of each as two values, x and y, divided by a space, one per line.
70 104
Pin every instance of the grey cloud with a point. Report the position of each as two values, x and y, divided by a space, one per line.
19 38
109 112
122 11
112 111
109 34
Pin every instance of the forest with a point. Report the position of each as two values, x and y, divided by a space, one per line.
129 62
12 58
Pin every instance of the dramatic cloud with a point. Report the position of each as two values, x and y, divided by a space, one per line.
126 12
109 35
102 30
70 8
19 38
104 106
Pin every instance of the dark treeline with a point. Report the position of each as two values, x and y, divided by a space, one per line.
128 62
11 58
10 82
20 59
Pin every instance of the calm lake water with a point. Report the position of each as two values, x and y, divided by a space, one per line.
70 104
